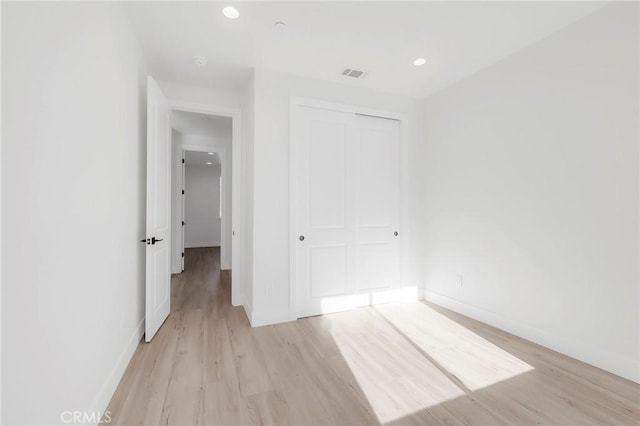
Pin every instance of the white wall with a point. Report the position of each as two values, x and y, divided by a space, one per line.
246 202
202 95
271 242
530 192
73 176
202 206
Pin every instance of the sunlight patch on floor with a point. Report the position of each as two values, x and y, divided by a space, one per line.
407 357
372 349
339 303
474 360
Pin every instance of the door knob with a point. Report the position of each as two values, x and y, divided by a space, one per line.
301 237
146 240
155 240
395 234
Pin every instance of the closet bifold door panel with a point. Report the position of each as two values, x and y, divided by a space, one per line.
377 209
346 209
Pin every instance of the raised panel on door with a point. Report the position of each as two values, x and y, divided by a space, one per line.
325 258
376 183
327 174
160 168
159 267
327 270
378 201
377 267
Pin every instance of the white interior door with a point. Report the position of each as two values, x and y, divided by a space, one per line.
158 253
347 209
377 180
183 223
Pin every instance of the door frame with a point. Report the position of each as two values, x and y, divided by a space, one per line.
295 102
235 254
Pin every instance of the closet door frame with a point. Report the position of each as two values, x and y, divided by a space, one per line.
295 103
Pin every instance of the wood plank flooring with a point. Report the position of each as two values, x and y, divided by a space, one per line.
395 364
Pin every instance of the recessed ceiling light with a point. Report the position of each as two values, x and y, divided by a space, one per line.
208 162
419 62
199 61
231 12
210 153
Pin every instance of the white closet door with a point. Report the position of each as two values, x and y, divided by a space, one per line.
377 180
346 172
325 205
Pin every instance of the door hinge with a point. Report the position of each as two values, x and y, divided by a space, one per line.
183 192
183 161
183 223
182 254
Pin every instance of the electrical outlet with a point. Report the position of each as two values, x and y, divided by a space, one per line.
459 280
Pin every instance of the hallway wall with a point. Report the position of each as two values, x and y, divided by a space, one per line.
202 206
73 205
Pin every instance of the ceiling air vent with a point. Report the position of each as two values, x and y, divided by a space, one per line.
351 72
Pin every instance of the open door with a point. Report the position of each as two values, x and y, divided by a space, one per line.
182 200
158 256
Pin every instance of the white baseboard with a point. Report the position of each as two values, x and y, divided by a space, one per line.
103 398
247 311
198 245
258 319
225 258
238 300
337 304
613 363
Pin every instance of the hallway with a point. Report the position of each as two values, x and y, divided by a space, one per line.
392 364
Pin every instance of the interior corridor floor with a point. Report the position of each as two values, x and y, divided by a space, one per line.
413 363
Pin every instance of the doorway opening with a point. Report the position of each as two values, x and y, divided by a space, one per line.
202 200
174 128
203 145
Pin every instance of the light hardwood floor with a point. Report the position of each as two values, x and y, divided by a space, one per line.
414 364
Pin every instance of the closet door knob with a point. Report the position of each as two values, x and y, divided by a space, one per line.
301 237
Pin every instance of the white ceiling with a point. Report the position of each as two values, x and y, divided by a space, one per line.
457 38
193 158
191 123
